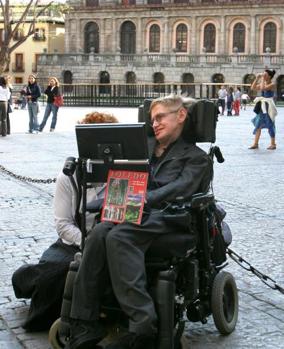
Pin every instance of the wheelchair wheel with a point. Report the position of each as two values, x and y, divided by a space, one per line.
54 338
225 302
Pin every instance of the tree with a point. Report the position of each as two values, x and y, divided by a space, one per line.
13 21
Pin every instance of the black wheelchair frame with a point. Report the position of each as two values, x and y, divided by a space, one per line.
189 280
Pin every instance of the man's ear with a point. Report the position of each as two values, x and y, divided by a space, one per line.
182 114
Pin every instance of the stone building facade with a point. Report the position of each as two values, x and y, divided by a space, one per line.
166 41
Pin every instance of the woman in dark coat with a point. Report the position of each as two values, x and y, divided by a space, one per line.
51 91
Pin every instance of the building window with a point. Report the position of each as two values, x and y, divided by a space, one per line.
239 37
128 38
181 38
152 2
181 1
269 37
92 3
18 80
209 40
39 34
92 37
19 63
35 64
154 39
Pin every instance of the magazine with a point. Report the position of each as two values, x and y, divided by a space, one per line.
125 196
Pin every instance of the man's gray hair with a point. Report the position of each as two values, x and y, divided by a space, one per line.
173 101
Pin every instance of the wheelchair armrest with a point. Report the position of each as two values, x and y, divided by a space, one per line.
200 200
95 205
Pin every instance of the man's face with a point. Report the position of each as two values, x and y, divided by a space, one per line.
167 122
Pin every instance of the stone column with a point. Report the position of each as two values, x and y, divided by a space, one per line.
192 38
139 37
222 40
166 38
252 36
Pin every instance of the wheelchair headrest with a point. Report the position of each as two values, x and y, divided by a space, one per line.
200 125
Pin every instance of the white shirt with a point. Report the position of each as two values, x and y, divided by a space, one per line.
4 94
64 206
222 93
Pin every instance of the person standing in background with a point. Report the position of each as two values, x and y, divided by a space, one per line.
265 108
230 101
222 95
237 101
32 95
10 103
4 98
51 91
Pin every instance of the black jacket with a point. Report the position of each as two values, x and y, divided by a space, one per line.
51 93
185 170
34 91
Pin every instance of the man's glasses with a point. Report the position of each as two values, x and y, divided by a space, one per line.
159 117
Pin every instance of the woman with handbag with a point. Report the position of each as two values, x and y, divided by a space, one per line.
52 92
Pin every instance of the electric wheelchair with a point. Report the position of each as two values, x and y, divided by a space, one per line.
184 270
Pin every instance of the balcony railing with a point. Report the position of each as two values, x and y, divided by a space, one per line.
162 59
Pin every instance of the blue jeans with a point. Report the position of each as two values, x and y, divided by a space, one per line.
33 111
50 108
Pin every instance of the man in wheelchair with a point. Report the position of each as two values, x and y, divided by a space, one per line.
116 252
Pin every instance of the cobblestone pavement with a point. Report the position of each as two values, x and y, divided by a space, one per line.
249 185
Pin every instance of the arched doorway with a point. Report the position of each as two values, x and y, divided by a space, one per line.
216 79
104 79
68 80
188 78
248 79
130 78
158 78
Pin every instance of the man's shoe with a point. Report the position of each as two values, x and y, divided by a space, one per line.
85 334
134 341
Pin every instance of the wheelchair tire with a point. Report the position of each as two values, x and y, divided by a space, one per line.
225 302
54 337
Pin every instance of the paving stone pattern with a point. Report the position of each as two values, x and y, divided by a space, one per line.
249 185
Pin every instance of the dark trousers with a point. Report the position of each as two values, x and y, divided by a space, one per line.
121 249
44 284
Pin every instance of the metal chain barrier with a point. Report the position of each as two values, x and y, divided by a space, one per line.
247 266
27 179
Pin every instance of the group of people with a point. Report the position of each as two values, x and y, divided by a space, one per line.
30 95
232 100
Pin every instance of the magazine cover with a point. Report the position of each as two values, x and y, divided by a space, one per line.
125 196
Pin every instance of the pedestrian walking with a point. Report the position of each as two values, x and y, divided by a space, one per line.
265 108
237 101
10 103
222 95
51 91
4 98
32 95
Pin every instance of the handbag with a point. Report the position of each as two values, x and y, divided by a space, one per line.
58 101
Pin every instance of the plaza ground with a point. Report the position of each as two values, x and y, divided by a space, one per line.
249 185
